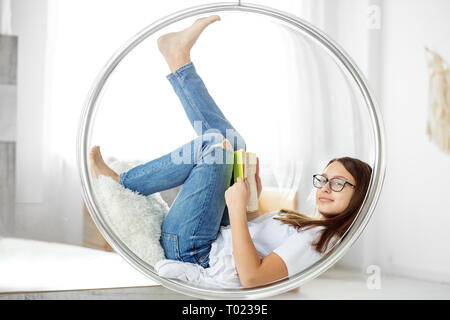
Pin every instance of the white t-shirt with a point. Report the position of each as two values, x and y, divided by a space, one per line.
268 235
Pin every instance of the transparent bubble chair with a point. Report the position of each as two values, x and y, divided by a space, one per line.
297 98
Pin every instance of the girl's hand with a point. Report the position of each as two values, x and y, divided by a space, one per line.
237 196
257 178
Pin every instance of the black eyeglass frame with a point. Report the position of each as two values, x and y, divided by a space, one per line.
329 180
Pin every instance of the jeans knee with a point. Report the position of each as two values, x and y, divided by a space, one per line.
227 144
212 138
218 139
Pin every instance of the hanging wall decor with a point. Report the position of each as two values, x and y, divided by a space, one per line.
438 122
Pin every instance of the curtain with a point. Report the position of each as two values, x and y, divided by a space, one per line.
5 16
82 35
292 103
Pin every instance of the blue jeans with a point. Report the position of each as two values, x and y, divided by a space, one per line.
203 166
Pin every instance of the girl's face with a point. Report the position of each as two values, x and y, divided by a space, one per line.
329 201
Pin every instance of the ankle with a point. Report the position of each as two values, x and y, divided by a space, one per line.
178 61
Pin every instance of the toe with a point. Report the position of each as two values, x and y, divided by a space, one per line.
207 20
92 153
95 154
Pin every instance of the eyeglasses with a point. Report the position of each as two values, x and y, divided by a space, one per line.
336 184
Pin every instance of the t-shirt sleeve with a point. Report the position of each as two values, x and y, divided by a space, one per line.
297 251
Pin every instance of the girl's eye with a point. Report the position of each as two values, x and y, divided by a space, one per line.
338 183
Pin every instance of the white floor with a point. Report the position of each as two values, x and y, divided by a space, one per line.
39 270
44 266
350 285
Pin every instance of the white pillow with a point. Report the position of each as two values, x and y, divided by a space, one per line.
136 219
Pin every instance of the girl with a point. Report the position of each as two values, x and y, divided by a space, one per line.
207 224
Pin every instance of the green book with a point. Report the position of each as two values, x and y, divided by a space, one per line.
238 166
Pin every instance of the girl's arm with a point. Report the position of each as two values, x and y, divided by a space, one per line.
245 255
252 270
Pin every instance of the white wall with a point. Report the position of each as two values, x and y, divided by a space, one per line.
409 233
29 19
415 210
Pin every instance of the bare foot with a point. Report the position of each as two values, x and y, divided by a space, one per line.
99 167
176 46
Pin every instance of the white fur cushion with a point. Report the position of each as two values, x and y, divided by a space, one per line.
135 218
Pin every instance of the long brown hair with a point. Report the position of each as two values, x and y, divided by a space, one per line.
335 225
